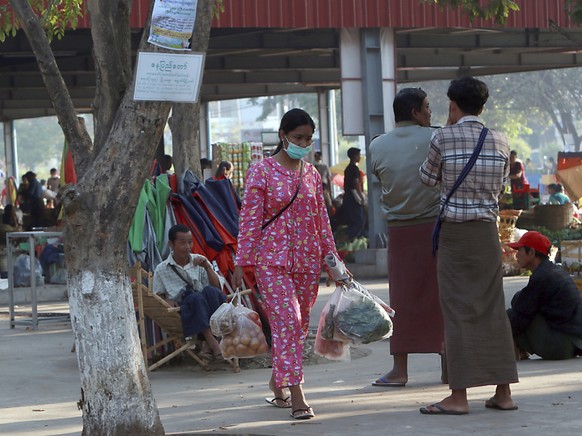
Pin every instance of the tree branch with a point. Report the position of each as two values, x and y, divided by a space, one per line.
75 133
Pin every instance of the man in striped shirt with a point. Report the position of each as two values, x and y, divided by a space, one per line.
478 340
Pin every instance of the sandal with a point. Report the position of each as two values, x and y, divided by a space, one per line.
281 403
303 413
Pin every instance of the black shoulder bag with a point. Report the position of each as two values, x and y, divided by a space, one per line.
278 214
437 226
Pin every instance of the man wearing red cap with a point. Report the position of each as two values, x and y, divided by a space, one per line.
546 315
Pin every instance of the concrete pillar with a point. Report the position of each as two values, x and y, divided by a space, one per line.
324 126
10 149
333 133
205 147
368 90
378 73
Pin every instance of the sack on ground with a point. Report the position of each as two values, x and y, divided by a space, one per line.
247 339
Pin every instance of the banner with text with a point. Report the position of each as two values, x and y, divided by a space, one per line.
173 23
168 77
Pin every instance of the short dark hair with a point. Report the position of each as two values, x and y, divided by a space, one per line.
175 229
53 170
469 94
166 162
317 155
205 163
406 100
353 152
30 176
513 153
556 187
291 120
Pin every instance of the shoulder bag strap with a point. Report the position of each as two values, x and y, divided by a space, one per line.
278 214
462 176
179 274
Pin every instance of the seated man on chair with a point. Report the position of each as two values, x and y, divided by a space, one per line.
546 315
188 280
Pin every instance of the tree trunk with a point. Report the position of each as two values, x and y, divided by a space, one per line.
185 126
112 55
185 120
116 397
116 394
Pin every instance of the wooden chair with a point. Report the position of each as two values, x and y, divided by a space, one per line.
168 318
163 314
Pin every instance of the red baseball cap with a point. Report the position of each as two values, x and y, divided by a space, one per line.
534 240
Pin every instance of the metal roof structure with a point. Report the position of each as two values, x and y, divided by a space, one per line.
270 47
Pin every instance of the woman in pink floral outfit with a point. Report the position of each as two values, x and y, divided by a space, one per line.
286 250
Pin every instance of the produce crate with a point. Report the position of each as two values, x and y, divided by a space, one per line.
554 216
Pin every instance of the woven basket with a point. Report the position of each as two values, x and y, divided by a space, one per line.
553 216
506 224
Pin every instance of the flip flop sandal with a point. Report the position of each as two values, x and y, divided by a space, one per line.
440 410
276 401
387 383
303 413
490 404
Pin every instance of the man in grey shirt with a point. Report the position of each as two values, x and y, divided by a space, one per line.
410 209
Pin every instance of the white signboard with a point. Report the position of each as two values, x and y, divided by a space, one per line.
173 23
168 77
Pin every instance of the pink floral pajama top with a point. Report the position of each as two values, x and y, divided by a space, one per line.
299 238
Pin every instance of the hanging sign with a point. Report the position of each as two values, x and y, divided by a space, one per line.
168 77
173 23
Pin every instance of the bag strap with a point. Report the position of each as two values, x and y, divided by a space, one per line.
460 179
179 274
278 214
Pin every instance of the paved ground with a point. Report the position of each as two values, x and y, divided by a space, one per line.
39 388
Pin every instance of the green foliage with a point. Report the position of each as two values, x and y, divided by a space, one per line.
557 236
498 10
55 16
7 26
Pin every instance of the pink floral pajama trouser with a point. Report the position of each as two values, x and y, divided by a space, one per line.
289 298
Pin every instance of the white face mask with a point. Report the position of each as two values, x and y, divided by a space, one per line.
296 152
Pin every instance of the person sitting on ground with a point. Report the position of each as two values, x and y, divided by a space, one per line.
546 315
188 280
557 195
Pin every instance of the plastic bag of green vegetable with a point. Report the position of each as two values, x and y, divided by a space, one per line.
360 317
